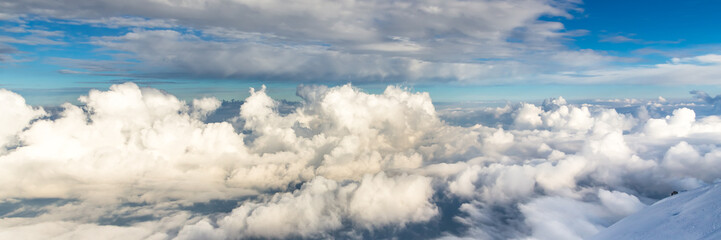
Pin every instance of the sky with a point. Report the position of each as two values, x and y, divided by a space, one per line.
457 50
314 119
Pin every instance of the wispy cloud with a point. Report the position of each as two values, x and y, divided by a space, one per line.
620 39
28 36
629 38
6 52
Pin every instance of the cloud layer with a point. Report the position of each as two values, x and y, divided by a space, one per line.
467 41
139 163
428 41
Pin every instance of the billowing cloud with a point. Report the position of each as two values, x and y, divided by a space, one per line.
16 116
322 205
139 163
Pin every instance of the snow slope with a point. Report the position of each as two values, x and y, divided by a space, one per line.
695 214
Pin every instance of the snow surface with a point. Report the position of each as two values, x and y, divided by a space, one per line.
695 214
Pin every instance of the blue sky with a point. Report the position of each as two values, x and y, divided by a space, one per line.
483 50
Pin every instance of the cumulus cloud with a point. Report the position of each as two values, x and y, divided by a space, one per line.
142 164
16 116
322 205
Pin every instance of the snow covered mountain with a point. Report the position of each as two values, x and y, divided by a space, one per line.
694 214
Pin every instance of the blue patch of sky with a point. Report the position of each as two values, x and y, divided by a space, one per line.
661 24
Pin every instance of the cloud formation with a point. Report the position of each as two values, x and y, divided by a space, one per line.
700 69
142 164
312 40
429 41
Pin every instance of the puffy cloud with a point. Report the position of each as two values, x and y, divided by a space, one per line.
566 218
141 163
528 116
124 134
313 210
323 205
204 106
684 159
380 201
16 116
677 125
619 203
561 218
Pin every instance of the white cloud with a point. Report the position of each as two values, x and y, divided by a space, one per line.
140 163
702 70
565 218
619 203
322 205
16 116
619 39
313 210
380 201
204 106
708 58
561 218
